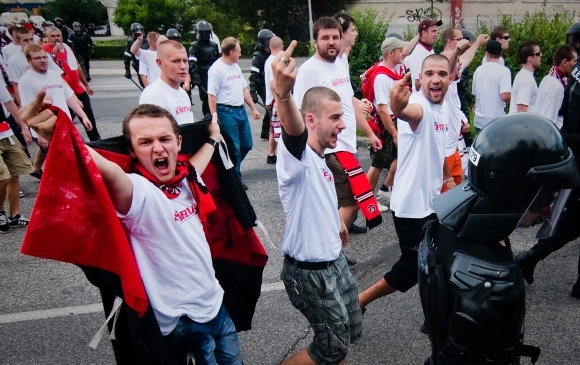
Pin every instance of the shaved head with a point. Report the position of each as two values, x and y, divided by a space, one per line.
276 43
164 46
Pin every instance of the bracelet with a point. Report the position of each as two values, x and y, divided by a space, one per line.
211 141
447 180
279 97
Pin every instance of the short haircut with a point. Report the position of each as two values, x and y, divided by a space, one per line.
228 45
161 49
12 28
437 57
152 36
563 53
33 47
53 29
21 31
276 43
325 23
344 20
526 50
498 32
449 34
314 99
146 111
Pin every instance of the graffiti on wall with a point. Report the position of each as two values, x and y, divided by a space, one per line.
420 14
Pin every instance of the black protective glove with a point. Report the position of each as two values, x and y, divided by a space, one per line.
128 74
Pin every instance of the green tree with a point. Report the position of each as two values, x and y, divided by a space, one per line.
83 11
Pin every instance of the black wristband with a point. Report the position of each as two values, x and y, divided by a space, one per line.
212 141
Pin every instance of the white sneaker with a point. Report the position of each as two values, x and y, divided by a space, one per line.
383 208
384 195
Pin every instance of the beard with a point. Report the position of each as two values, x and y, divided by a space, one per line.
325 54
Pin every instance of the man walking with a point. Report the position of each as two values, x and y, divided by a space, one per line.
525 89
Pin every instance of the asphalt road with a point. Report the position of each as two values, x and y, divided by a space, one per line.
49 312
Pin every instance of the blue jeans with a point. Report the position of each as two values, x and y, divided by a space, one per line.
235 122
212 343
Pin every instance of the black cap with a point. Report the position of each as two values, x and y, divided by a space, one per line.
493 47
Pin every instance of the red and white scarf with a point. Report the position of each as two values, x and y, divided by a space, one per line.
555 72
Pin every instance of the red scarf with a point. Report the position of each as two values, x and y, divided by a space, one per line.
183 170
70 76
426 46
555 71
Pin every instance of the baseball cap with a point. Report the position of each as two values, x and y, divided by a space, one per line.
392 43
493 47
428 23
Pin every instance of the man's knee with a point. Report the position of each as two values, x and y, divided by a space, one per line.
330 343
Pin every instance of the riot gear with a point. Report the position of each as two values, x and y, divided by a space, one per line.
257 76
573 36
47 23
135 28
468 35
203 30
264 37
472 291
202 54
173 35
128 58
77 27
83 47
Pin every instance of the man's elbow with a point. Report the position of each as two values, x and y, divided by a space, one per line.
505 97
522 108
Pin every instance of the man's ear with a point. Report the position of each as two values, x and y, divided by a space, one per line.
179 139
159 62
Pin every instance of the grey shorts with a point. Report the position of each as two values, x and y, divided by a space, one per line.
328 298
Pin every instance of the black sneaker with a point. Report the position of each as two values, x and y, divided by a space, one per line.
4 224
264 136
357 229
271 160
18 221
37 174
527 266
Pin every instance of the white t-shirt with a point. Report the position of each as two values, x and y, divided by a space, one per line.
315 72
414 61
18 65
172 253
149 58
489 81
549 101
9 49
524 90
308 196
5 98
455 124
174 101
421 156
343 60
70 58
54 85
382 87
268 78
501 60
226 83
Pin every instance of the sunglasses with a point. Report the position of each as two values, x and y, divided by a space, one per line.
539 54
506 37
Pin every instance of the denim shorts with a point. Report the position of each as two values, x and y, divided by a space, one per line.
328 298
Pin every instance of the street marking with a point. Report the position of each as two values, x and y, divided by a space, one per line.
86 309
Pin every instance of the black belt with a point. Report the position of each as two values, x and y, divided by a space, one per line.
232 106
321 265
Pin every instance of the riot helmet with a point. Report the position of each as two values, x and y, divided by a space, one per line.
521 173
136 27
395 35
77 27
203 30
573 36
47 23
264 37
58 19
173 35
468 35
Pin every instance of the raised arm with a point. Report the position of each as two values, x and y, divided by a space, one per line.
400 94
468 55
136 46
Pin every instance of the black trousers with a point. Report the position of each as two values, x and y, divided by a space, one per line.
93 134
403 275
84 59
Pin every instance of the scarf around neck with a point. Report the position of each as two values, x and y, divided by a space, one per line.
555 72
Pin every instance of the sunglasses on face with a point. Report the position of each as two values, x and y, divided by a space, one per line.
506 37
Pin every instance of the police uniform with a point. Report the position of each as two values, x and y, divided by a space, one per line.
257 76
128 57
83 47
202 54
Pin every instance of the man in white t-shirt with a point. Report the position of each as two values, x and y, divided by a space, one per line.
227 90
491 87
324 69
11 48
524 88
551 90
148 56
166 91
160 208
315 272
502 35
428 33
276 45
422 135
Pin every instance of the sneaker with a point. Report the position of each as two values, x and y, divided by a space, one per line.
264 136
21 194
4 225
18 221
37 174
271 160
357 229
382 208
527 265
384 195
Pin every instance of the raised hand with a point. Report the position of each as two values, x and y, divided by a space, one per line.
400 94
284 70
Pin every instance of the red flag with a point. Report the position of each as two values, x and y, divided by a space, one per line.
74 220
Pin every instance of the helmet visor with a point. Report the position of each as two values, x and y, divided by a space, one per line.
545 210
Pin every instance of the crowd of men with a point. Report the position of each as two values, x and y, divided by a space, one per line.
415 130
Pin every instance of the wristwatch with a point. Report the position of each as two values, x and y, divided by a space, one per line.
212 141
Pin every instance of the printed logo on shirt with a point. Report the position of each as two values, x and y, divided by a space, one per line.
185 214
182 109
338 82
233 77
327 175
440 127
53 86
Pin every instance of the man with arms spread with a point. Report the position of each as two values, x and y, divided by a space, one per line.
165 91
323 69
551 90
525 89
422 135
161 208
315 272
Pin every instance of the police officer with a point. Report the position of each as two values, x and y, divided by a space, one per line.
569 227
128 57
63 29
202 54
83 47
257 83
173 35
472 292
